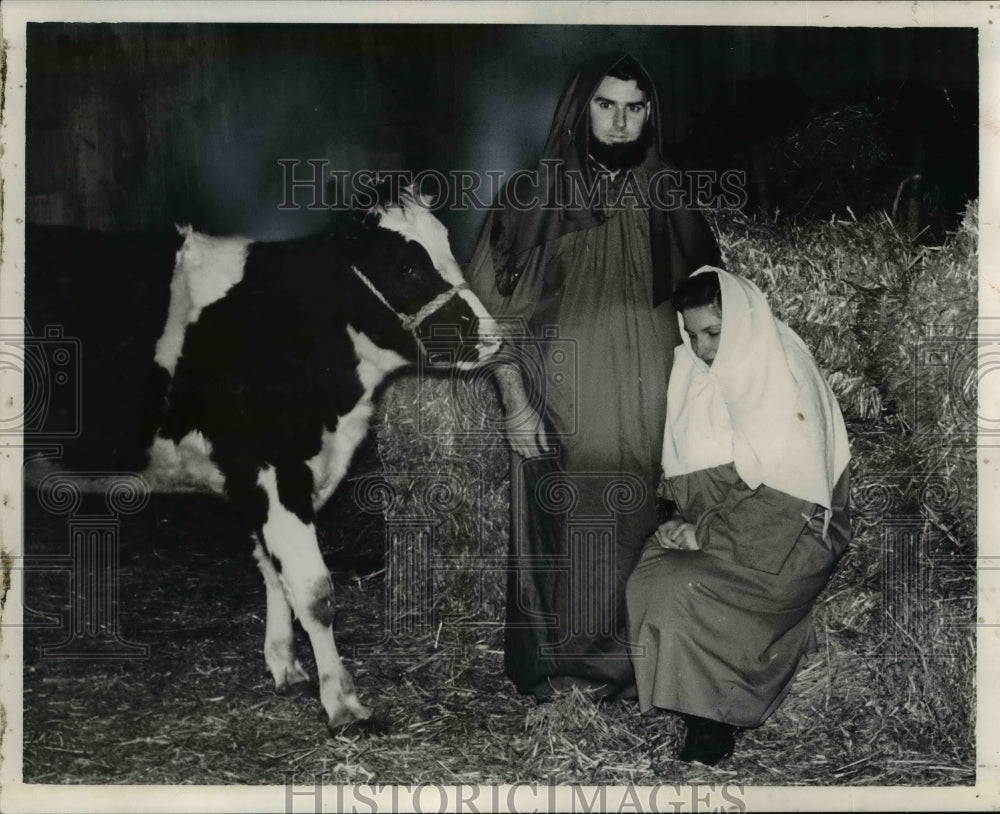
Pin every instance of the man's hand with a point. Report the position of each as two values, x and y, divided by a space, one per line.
678 535
525 433
523 424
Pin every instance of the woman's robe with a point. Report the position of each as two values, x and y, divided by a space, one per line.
720 631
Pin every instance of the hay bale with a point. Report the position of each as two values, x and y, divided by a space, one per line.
836 154
892 325
896 624
445 494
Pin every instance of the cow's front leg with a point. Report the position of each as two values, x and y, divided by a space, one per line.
279 638
292 543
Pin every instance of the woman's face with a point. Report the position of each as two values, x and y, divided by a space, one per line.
703 326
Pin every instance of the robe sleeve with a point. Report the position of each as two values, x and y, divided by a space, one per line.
517 310
755 528
666 506
663 489
514 314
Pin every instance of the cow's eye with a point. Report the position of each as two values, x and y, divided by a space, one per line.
408 271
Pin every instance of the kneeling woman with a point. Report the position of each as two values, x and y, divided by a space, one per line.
755 458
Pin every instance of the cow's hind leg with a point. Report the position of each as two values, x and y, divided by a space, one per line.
292 543
279 639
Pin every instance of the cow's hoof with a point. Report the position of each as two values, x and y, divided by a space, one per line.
292 681
349 710
375 724
297 689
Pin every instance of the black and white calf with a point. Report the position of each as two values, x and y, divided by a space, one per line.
265 366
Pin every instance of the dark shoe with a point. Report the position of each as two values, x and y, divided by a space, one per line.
542 692
707 741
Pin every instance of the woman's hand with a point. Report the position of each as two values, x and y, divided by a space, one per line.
678 535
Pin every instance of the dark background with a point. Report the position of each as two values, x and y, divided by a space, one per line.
135 126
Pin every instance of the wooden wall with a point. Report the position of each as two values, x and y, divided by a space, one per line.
134 126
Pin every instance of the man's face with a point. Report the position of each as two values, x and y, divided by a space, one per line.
618 111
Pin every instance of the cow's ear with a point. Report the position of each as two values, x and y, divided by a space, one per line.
413 193
387 192
424 199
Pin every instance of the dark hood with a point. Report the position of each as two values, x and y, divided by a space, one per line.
569 135
516 231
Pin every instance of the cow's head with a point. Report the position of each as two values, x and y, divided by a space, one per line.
403 257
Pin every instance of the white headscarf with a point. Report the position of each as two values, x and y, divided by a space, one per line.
763 404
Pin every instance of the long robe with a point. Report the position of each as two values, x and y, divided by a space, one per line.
598 354
720 631
591 284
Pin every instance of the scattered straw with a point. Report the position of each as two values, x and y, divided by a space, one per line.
888 697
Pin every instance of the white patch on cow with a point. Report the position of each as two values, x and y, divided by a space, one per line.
375 362
307 586
488 330
293 542
279 637
414 221
205 269
330 465
183 467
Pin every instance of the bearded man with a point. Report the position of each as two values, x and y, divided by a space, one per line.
585 265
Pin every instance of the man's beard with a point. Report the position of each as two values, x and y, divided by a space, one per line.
622 155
